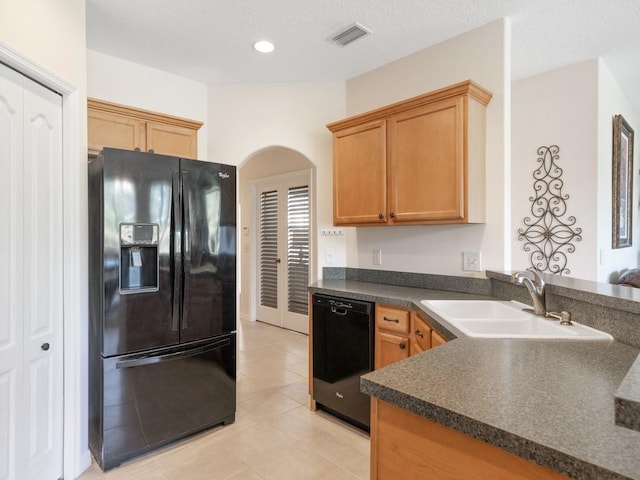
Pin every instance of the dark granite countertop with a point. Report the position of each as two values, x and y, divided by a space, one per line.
551 402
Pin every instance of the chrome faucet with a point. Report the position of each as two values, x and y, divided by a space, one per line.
532 279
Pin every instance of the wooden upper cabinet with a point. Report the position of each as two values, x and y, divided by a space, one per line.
420 161
119 126
172 139
426 163
359 174
109 130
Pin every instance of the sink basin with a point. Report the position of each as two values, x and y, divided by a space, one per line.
502 319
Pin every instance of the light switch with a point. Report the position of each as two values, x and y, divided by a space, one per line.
471 261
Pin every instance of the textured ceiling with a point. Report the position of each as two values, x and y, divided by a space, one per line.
211 40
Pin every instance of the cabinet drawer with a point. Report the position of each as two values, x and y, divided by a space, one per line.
421 332
392 319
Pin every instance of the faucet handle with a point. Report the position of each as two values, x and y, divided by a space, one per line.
563 316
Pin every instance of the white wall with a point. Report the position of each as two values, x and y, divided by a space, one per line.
482 55
573 107
47 40
120 81
558 108
611 101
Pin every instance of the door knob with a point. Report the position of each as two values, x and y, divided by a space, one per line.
44 346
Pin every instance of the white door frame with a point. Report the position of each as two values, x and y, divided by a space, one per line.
254 231
76 456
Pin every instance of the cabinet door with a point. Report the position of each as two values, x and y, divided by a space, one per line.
390 349
172 140
426 163
112 130
359 174
421 333
437 339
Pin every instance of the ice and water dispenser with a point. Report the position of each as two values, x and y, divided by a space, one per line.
138 257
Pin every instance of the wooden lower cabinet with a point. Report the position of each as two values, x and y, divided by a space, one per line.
406 446
437 339
391 335
390 348
401 333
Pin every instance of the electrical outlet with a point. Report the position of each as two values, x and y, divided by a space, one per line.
471 261
377 257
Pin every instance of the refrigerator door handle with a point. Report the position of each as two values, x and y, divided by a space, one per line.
151 359
177 249
186 248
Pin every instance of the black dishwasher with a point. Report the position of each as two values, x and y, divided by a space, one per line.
343 332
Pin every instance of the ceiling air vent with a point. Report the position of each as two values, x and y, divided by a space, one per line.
351 34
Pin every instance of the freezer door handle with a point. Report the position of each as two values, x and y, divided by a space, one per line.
151 359
186 248
177 249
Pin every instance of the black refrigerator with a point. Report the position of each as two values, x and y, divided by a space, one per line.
162 301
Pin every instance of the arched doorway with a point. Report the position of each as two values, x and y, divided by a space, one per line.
275 246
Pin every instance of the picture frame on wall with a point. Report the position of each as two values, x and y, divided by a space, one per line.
622 182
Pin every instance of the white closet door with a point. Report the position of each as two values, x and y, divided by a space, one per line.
31 348
11 297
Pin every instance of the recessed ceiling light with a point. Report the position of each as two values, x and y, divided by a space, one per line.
263 46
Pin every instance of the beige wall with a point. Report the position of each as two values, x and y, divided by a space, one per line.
51 34
482 55
247 119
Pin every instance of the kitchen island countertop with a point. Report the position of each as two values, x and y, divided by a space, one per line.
549 401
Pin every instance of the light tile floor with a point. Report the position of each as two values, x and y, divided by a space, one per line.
275 435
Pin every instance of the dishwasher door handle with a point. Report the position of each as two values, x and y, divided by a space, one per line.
339 310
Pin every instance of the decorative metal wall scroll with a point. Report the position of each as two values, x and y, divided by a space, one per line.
549 235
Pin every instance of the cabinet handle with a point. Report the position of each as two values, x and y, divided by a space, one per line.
381 216
419 334
394 320
392 215
402 346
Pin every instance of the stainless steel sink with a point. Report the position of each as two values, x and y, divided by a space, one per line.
502 319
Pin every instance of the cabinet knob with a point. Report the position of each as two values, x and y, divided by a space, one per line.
381 216
392 215
44 346
402 346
